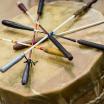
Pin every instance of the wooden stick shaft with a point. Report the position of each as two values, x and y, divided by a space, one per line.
82 28
13 41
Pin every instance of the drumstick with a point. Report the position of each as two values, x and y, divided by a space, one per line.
86 43
57 44
26 72
29 60
19 26
78 13
82 28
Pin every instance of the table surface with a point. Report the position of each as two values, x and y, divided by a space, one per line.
51 73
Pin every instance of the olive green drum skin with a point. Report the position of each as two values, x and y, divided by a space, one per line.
54 80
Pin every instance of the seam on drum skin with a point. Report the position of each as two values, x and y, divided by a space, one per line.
97 11
37 93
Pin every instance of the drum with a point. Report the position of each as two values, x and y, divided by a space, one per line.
55 80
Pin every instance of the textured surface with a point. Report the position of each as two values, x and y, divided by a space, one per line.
52 74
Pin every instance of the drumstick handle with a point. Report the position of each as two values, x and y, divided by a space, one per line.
60 47
57 44
26 72
22 7
16 25
85 42
91 44
85 8
11 63
40 7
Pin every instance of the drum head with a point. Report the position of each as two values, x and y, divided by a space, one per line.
52 73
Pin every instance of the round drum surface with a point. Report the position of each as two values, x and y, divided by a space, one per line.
51 73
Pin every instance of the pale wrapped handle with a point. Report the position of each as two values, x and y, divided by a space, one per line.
12 63
16 25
